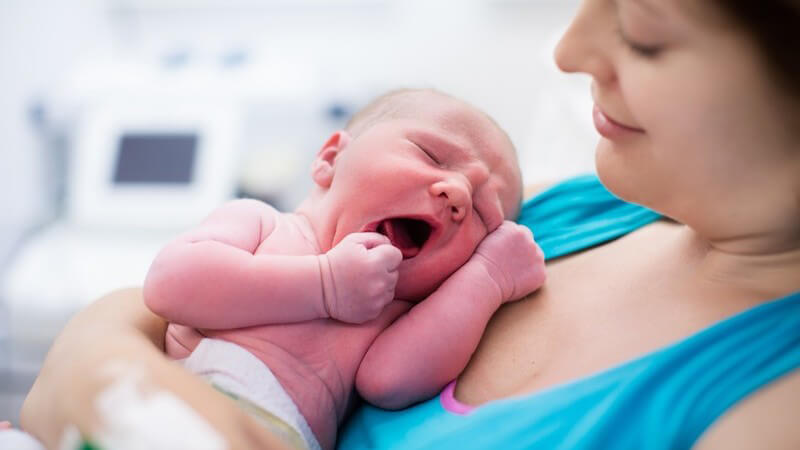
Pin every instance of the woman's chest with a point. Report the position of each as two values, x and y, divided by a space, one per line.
590 316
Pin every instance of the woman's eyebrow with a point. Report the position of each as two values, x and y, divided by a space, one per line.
648 7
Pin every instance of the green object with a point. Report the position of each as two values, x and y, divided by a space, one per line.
88 445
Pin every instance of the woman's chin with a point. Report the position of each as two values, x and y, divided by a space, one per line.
617 173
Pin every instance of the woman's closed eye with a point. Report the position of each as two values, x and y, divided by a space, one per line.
643 50
638 28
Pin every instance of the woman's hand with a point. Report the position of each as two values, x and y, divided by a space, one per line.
115 331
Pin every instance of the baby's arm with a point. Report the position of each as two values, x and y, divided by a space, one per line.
211 277
430 345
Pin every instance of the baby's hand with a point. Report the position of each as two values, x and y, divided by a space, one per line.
359 276
512 259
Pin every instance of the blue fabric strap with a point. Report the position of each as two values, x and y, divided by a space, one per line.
578 214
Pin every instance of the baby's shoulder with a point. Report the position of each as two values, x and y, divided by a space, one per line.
244 223
248 205
247 210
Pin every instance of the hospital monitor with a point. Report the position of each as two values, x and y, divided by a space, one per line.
152 165
165 158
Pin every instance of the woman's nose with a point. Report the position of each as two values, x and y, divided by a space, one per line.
457 194
585 46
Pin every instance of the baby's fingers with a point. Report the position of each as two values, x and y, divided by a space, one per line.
389 255
367 239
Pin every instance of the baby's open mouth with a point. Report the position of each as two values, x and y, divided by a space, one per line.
409 235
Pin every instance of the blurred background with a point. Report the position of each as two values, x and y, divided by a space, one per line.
124 121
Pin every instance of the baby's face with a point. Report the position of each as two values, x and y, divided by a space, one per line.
435 183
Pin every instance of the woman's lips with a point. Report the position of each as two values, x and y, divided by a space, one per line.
610 129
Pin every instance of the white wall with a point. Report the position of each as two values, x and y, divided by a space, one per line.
40 40
493 53
497 54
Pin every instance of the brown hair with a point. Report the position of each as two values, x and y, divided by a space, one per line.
774 26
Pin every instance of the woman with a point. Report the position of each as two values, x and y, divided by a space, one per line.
674 333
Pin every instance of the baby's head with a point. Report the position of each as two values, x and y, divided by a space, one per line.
429 171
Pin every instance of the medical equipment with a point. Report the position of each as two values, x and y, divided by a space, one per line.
139 171
152 144
153 165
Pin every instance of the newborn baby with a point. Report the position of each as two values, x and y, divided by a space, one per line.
383 278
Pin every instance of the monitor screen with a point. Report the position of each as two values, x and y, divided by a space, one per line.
155 158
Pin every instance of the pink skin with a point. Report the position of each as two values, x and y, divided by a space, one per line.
5 425
359 277
407 169
273 282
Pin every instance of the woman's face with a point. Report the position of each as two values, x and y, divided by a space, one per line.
691 123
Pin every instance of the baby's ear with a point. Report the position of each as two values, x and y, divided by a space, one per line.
322 168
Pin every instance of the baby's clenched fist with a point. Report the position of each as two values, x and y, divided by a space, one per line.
512 259
359 275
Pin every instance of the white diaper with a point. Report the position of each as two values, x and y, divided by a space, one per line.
238 373
18 440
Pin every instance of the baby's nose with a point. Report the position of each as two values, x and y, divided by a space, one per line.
457 195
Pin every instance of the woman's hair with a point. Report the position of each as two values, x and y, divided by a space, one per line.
774 25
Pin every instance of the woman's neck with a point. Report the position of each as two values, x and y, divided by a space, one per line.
767 266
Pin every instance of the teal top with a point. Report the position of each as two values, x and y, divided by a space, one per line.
662 400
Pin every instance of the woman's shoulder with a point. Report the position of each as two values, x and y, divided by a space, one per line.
533 189
766 419
578 213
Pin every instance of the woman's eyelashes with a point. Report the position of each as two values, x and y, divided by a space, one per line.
643 50
634 45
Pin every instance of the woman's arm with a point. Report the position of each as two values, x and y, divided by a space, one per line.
119 330
765 419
